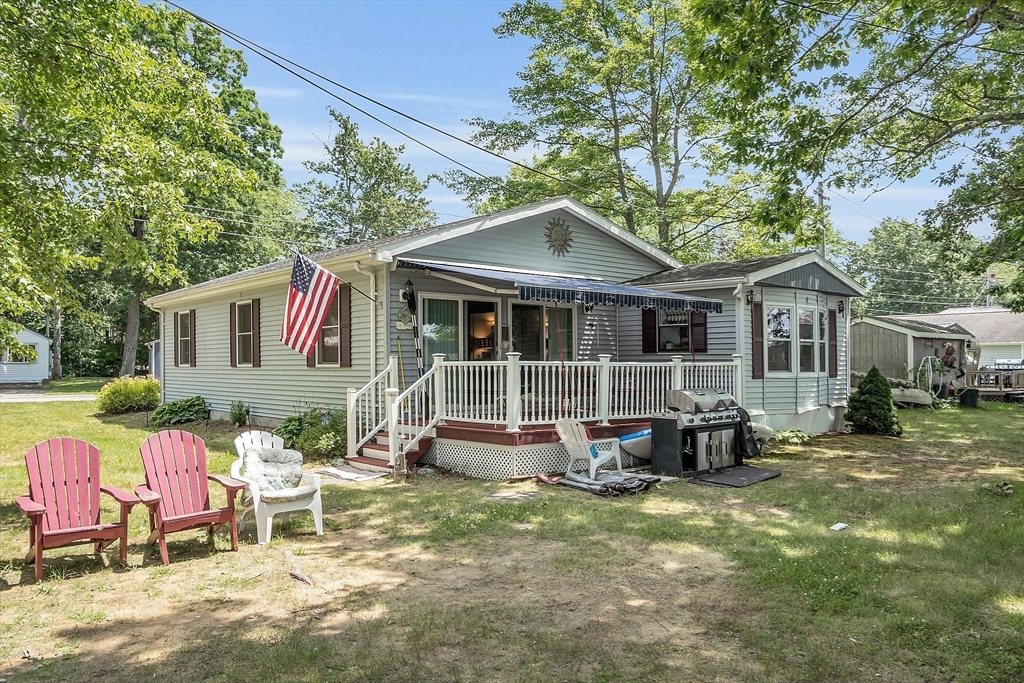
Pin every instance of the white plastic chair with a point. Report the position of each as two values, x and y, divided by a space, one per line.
595 452
267 501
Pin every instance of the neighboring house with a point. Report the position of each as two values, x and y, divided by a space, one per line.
999 331
154 358
897 346
15 368
786 318
478 334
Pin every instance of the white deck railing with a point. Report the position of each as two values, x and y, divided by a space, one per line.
513 393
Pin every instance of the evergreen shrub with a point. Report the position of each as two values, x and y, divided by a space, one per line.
871 410
129 395
316 433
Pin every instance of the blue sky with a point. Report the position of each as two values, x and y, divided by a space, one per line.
438 60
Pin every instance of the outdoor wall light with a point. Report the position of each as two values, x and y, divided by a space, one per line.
750 296
408 296
842 308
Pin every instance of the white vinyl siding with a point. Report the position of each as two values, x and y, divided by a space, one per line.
15 371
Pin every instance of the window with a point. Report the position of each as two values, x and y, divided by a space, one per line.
806 331
328 348
559 331
673 330
183 346
243 333
12 356
779 339
822 337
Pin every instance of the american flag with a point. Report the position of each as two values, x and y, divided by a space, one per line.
310 294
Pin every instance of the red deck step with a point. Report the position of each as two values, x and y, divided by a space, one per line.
379 453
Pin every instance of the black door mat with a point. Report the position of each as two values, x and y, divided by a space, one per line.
736 477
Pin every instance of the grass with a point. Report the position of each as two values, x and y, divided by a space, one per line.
77 385
431 580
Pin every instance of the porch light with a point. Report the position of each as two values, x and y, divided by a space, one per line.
750 296
842 308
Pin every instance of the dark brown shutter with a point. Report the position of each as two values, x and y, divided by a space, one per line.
255 333
833 345
311 358
192 337
757 340
649 330
698 332
345 325
174 343
233 335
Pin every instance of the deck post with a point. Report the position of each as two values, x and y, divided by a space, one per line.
350 416
391 394
439 388
677 372
604 387
393 375
737 377
513 392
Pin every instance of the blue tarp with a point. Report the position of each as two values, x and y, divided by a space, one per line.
576 290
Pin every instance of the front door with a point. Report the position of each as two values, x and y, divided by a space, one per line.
528 331
480 336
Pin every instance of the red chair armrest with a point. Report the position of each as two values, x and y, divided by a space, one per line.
146 496
229 483
30 507
120 495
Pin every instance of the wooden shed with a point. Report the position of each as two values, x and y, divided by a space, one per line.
896 346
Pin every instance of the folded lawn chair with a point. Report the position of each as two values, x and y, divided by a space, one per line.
63 503
595 452
176 490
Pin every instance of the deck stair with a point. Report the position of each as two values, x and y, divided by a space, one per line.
374 456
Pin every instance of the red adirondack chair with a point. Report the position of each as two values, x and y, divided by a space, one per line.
176 490
63 501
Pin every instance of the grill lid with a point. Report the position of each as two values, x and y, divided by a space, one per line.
698 400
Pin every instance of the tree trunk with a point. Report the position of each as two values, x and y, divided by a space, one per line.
56 368
131 338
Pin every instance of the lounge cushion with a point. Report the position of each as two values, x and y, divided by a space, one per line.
288 495
273 469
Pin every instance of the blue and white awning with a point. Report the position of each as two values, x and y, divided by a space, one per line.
575 290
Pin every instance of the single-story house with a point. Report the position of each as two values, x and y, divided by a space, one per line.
461 344
999 332
897 346
15 368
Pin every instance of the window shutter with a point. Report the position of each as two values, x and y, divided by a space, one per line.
255 333
345 325
311 358
174 344
833 345
232 335
649 330
192 337
698 332
757 340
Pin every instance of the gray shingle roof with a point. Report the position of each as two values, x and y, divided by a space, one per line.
988 324
938 330
715 270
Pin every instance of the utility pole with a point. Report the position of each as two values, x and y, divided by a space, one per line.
821 214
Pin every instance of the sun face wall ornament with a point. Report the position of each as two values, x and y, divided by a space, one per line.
558 236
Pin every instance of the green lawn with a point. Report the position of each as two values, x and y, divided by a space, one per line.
77 385
432 580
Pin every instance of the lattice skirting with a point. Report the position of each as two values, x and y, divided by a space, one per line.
498 463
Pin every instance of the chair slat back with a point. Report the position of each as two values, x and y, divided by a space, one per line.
257 439
574 435
175 464
64 475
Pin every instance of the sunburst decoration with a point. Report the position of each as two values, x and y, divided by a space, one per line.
558 236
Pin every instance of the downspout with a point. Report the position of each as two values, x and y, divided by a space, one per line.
741 389
372 274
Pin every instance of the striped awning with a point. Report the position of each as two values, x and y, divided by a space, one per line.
575 290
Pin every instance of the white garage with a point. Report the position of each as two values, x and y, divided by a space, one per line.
16 369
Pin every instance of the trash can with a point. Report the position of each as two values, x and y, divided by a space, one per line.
969 398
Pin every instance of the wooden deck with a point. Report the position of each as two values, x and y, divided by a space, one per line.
996 383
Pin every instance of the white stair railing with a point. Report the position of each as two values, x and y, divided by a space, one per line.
411 414
368 409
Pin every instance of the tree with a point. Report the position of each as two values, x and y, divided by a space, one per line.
370 193
610 97
909 269
99 134
871 409
867 93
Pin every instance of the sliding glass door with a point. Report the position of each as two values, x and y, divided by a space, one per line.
440 326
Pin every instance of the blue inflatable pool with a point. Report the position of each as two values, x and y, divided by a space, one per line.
637 444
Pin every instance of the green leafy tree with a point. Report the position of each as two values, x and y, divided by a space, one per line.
368 193
871 410
610 96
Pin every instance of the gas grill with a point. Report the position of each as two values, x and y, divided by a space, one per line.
696 434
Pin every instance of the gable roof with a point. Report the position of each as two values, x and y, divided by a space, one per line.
988 324
35 336
916 328
386 249
758 270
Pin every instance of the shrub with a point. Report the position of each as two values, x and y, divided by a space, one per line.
871 410
316 433
129 395
792 436
239 414
179 412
